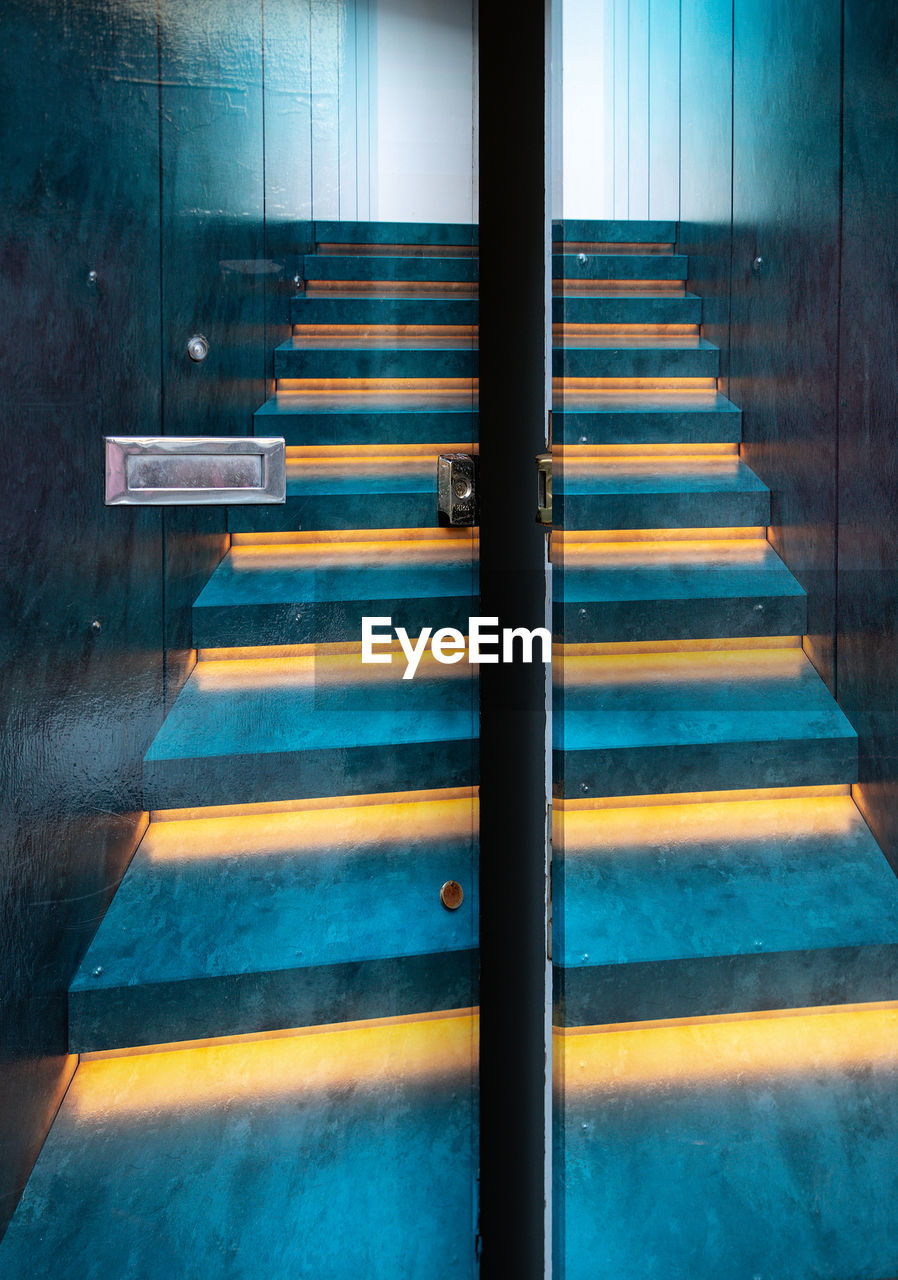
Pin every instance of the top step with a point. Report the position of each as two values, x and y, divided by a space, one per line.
617 231
395 233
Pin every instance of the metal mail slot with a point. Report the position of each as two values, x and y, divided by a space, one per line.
195 470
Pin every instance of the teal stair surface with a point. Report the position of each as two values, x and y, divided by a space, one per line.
637 357
593 308
383 357
646 417
409 234
271 921
349 498
268 600
708 909
660 494
381 266
302 729
611 231
301 1155
638 724
384 311
676 591
375 418
618 266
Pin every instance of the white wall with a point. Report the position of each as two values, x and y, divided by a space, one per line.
620 104
423 149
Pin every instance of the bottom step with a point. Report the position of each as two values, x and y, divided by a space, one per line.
346 1152
757 1149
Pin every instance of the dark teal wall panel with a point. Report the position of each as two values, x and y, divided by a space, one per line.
786 158
706 144
867 639
213 263
79 703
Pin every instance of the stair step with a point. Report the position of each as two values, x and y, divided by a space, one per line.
659 493
298 1155
378 356
348 493
405 310
690 910
282 919
595 308
611 231
375 417
619 266
674 590
636 357
645 417
412 234
298 594
647 723
245 731
755 1148
376 266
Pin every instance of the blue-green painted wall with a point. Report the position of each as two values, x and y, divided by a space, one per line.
789 154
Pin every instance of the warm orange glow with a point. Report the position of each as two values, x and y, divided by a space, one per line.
741 552
457 334
232 811
388 288
569 332
728 643
685 668
567 453
575 288
308 666
366 386
314 536
303 1062
300 452
698 797
372 553
419 395
705 1053
588 831
562 537
615 246
296 830
580 386
662 464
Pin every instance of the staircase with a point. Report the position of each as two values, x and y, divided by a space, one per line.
276 1017
725 929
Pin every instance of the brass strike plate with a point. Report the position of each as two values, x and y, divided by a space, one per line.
544 488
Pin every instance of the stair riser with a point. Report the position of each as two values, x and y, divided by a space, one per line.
619 266
160 1013
380 267
586 362
322 622
298 775
375 363
340 511
368 428
426 234
626 310
383 311
609 621
613 231
718 766
716 985
661 510
647 428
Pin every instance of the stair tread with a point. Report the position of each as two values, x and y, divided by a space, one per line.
631 724
258 730
637 342
599 401
377 341
619 266
674 570
246 898
609 230
328 231
658 475
408 309
263 1149
289 403
687 1130
740 877
346 266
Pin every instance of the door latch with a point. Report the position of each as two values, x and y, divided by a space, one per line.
457 488
544 488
